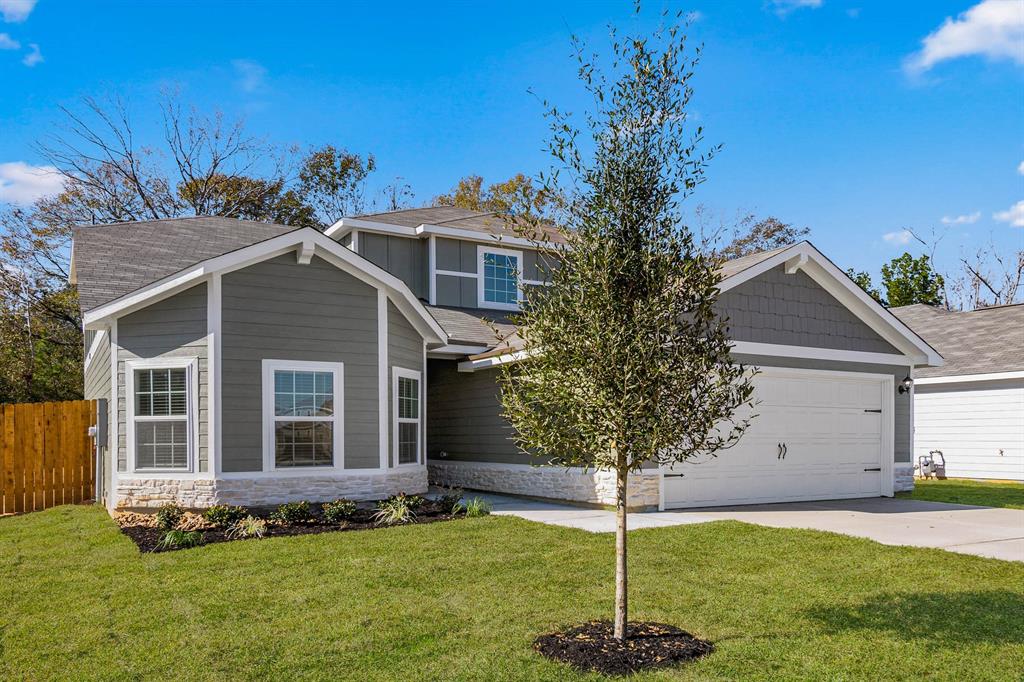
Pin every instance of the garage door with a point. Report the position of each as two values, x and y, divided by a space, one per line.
816 436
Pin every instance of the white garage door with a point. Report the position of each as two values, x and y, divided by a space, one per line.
816 436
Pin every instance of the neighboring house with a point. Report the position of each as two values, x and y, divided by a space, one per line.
248 363
971 408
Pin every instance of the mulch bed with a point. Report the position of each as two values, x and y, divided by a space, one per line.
147 536
591 647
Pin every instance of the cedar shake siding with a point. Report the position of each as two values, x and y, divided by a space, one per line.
281 310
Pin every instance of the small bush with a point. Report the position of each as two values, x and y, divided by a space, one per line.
414 502
293 512
168 516
450 501
477 507
394 510
339 511
224 516
181 539
248 527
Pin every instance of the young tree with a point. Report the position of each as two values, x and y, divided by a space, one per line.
908 280
863 280
626 361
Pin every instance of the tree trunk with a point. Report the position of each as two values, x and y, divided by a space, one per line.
621 599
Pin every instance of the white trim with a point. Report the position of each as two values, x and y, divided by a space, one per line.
964 378
337 419
343 226
304 254
354 244
493 361
481 252
114 415
796 263
382 379
812 353
324 247
94 348
307 472
456 350
404 373
191 366
456 273
825 273
423 408
213 373
432 270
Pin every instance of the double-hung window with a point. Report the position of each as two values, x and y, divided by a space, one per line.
405 391
499 272
302 411
161 396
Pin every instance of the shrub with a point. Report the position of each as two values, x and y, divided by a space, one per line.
339 511
450 501
248 527
168 516
293 512
414 502
477 507
181 539
224 516
394 510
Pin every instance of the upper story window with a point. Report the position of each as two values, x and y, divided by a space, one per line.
499 278
302 414
162 414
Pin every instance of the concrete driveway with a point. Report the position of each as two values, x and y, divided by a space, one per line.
982 531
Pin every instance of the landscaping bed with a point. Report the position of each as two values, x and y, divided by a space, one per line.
172 528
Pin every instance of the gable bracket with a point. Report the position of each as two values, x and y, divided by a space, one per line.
796 263
304 253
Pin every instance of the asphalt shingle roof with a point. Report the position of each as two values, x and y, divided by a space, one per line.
114 260
982 341
470 325
486 222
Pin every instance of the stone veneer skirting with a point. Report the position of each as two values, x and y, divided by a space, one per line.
592 487
374 485
903 477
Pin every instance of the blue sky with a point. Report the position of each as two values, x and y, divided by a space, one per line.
857 119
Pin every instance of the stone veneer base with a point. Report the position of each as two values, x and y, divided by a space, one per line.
556 483
903 478
200 493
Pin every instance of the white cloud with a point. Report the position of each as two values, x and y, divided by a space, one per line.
16 11
33 57
250 74
1020 168
21 183
784 7
968 219
900 238
992 28
8 43
1013 215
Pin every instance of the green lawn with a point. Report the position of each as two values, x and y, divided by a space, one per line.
463 601
965 491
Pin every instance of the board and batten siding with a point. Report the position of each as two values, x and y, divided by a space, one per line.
794 310
281 310
460 255
405 350
978 426
172 328
404 257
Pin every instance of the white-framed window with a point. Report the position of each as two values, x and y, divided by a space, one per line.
406 409
162 401
498 281
303 415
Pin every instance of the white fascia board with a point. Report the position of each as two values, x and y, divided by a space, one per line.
494 361
823 271
456 350
346 225
94 348
301 239
812 353
965 378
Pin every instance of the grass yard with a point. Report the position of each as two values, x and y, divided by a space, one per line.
966 491
464 600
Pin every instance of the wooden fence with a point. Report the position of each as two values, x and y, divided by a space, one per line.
46 454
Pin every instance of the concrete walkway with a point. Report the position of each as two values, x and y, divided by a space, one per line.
982 531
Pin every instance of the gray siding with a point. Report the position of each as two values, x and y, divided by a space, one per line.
901 403
281 310
456 291
97 386
405 350
456 255
464 417
173 327
404 257
794 310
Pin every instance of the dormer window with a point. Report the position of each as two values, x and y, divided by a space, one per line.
499 282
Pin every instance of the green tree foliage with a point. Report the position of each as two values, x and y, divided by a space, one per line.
627 362
863 280
517 196
908 280
751 235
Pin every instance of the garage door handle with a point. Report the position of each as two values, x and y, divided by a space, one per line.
875 411
874 469
674 475
779 456
785 450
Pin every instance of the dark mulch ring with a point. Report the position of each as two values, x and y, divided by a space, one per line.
148 538
591 647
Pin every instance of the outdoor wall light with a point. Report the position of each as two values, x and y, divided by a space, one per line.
906 384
